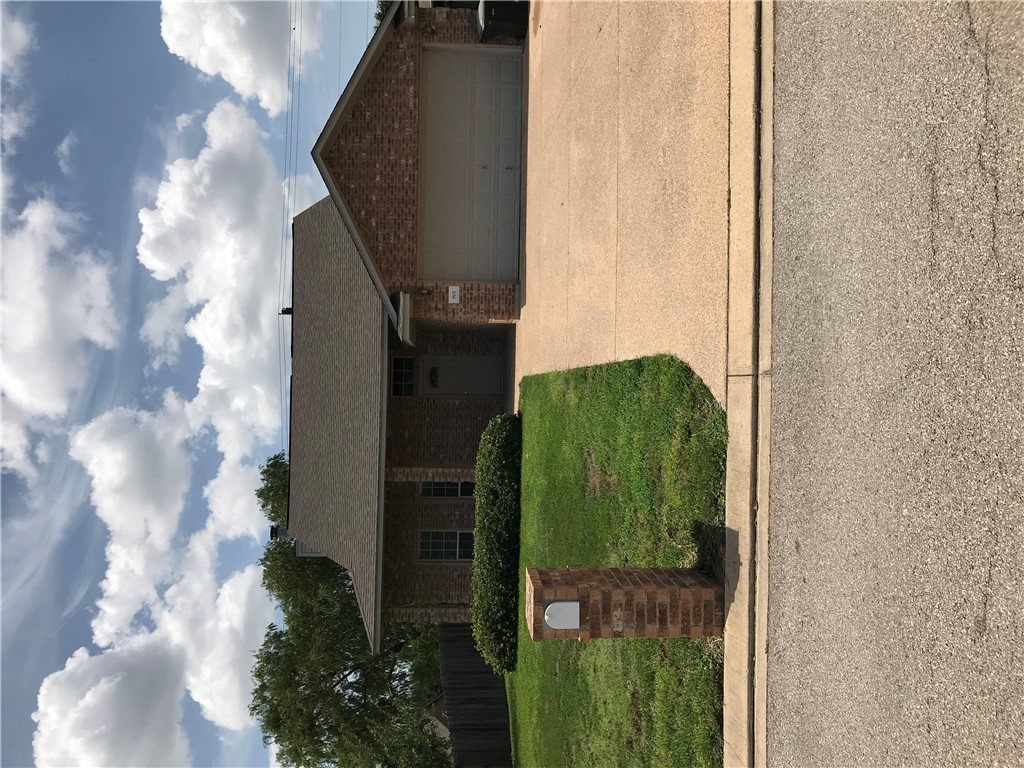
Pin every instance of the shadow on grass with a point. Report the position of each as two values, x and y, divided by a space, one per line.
711 547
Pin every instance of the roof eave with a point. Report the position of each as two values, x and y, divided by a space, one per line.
364 255
375 636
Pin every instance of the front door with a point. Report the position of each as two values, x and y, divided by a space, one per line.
477 377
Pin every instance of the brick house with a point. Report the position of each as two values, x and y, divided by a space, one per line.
405 291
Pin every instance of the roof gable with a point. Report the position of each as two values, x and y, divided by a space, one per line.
368 152
344 107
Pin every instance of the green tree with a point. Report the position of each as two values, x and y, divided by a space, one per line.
421 654
273 493
383 6
318 691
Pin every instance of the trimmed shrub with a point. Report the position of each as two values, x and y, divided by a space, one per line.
496 542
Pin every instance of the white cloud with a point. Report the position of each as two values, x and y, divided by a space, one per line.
17 38
208 236
165 325
123 705
234 510
120 707
140 474
55 302
213 233
204 634
218 630
15 120
245 43
144 189
183 121
63 152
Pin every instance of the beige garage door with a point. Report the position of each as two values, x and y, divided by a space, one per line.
469 170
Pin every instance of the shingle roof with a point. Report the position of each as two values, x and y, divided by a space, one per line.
336 445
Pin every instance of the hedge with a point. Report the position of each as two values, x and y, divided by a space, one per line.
496 543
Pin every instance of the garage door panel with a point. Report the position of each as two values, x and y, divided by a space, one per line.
483 182
486 66
507 155
511 70
506 237
470 160
482 205
483 240
485 98
511 98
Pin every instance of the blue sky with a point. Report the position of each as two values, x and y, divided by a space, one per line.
151 155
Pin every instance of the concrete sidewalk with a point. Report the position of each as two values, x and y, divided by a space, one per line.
642 236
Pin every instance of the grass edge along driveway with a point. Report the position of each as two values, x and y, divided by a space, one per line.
623 464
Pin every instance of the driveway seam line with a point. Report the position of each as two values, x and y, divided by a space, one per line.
728 193
618 117
755 383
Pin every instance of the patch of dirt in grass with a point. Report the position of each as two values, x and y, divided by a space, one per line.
680 541
714 647
599 479
636 719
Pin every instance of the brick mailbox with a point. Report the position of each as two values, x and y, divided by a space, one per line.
585 603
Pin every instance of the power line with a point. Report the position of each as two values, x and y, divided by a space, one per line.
282 253
293 187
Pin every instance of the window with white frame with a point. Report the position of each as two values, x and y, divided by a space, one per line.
403 377
447 490
446 545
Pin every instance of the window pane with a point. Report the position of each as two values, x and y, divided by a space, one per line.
441 490
402 377
446 545
466 489
466 545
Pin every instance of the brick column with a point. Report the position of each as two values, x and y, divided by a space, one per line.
626 602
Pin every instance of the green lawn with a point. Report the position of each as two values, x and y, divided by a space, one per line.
623 464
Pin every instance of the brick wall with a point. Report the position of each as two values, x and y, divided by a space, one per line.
436 431
430 438
479 303
439 432
373 159
423 474
626 602
415 590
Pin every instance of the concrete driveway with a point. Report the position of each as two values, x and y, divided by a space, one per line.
627 179
896 599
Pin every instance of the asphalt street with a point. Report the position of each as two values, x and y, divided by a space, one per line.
896 587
